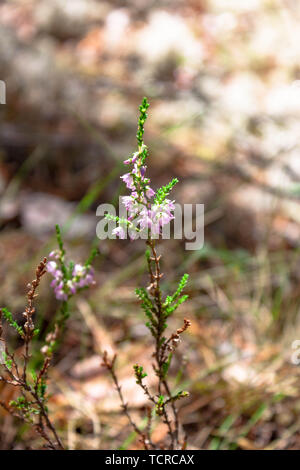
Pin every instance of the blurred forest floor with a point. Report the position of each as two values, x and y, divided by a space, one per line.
223 82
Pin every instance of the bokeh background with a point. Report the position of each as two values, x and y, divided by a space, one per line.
223 80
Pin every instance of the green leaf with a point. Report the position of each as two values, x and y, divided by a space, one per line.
142 119
93 254
139 373
170 309
164 191
9 318
166 366
147 305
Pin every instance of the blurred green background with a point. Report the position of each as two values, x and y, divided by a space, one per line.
223 81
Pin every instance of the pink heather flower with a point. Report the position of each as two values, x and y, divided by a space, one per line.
78 270
132 206
51 267
82 276
54 254
86 280
155 225
141 215
71 287
81 283
119 232
133 159
145 219
156 217
128 202
139 170
149 192
89 279
165 218
60 294
163 213
83 273
128 180
53 283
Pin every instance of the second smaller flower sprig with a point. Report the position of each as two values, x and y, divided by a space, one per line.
68 279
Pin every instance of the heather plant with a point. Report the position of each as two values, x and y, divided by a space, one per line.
31 404
148 211
68 278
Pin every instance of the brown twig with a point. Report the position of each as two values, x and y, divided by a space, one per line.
155 277
110 366
19 378
29 311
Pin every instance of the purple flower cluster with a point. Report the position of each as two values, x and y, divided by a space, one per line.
65 286
142 213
